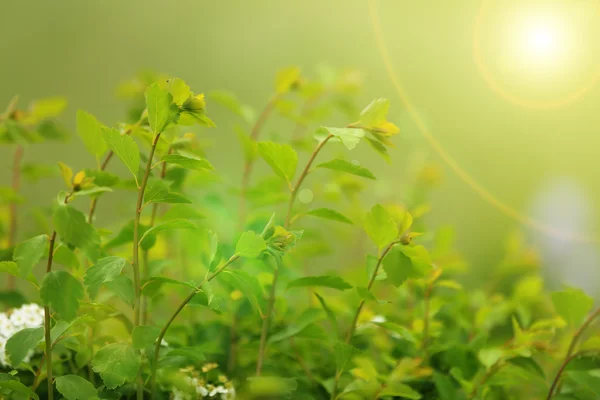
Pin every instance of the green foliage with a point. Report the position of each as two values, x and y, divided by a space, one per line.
189 273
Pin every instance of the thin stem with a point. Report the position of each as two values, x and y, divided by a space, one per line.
249 164
136 249
350 333
175 314
569 356
16 186
47 327
288 221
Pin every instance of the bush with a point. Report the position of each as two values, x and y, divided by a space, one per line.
212 289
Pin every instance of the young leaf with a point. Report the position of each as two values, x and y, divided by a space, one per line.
74 387
398 267
250 245
105 270
90 131
116 363
197 164
282 158
61 291
22 342
144 336
334 282
380 226
349 137
28 253
174 224
330 214
72 226
343 355
572 305
161 109
125 148
346 166
399 389
374 117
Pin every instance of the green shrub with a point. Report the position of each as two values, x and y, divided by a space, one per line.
216 286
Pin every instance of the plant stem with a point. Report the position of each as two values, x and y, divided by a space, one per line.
94 201
569 356
249 164
16 186
176 313
350 333
136 248
267 319
47 327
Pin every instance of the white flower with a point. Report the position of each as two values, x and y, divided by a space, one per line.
378 319
201 390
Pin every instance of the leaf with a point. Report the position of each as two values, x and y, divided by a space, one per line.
72 226
327 213
250 245
346 166
67 173
105 270
122 287
282 159
398 267
572 305
144 336
343 355
333 282
374 116
61 291
125 148
157 191
9 267
249 146
349 137
188 354
161 109
286 78
74 387
197 164
179 90
330 315
380 226
247 284
399 389
28 253
22 342
174 224
17 387
90 132
271 387
116 363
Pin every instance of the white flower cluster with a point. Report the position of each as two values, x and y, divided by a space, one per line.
200 389
11 322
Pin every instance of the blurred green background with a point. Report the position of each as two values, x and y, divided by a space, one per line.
542 162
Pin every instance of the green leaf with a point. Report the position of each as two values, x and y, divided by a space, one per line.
90 132
72 226
197 164
272 387
349 137
374 117
250 245
125 148
188 354
122 287
179 90
333 282
346 166
282 158
61 291
249 146
395 388
105 270
247 284
74 387
174 224
116 363
572 305
330 214
22 342
157 191
9 267
286 79
380 226
398 267
343 354
17 387
330 315
144 336
28 253
161 109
